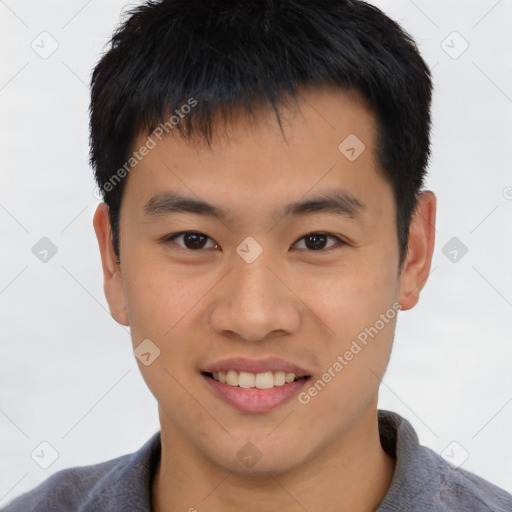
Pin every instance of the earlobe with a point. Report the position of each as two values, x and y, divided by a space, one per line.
112 277
417 263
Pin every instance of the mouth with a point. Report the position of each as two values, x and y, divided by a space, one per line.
255 386
248 380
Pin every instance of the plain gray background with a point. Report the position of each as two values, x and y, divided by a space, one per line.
68 376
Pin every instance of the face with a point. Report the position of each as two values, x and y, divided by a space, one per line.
288 273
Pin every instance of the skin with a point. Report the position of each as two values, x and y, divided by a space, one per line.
200 306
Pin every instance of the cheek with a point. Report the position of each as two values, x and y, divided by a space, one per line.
159 296
358 310
165 305
354 361
161 302
347 299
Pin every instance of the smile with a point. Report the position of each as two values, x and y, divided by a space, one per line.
247 380
250 392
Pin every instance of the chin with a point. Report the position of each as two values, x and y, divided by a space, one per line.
257 458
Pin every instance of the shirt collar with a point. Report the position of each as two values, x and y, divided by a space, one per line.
415 476
128 485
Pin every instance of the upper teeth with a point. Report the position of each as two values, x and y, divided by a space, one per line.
263 380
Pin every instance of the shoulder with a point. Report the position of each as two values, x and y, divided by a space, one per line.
66 489
460 489
424 481
123 483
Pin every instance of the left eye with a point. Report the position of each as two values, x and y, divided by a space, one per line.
318 241
195 241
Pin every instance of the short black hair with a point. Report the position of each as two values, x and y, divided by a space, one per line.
215 56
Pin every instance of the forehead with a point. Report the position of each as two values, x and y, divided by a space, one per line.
326 141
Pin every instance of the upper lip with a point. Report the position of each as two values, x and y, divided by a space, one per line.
267 364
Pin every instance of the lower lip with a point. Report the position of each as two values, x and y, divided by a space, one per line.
255 400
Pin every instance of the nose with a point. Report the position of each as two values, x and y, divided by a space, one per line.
255 301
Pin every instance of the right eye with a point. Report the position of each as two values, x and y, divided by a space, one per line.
190 240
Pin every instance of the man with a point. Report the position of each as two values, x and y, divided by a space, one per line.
262 166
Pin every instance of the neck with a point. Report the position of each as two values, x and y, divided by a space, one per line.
351 474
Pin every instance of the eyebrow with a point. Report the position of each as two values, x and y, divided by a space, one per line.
338 201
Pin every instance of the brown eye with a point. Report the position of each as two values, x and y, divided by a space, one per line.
318 241
191 240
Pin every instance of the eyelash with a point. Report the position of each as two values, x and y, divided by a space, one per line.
339 241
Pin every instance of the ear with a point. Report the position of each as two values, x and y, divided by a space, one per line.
416 266
112 277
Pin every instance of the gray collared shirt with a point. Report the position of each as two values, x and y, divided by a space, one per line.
423 481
